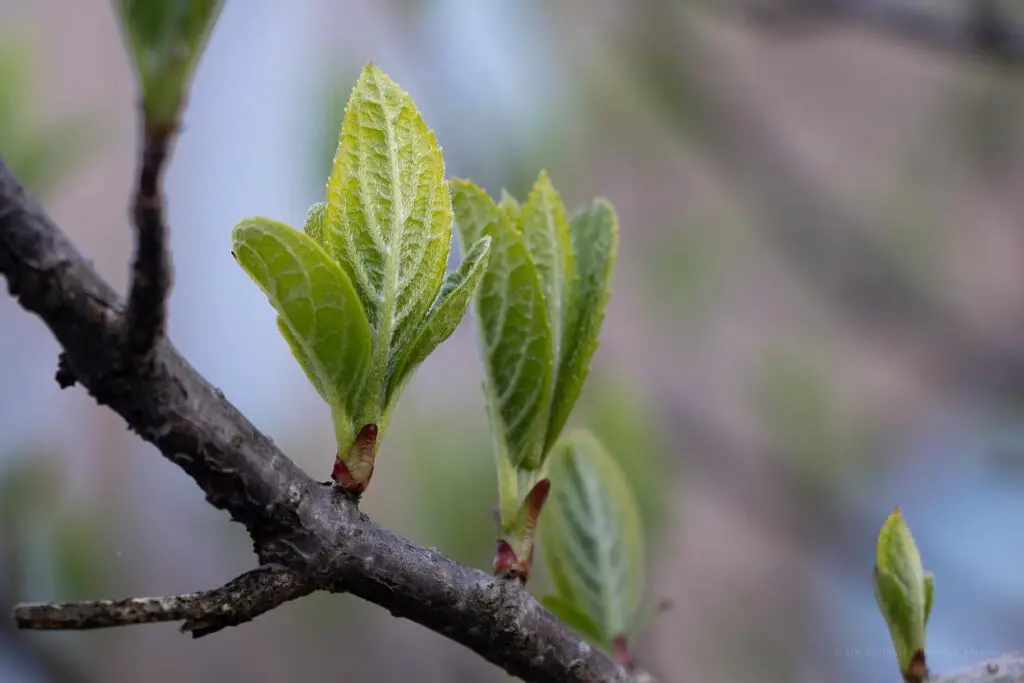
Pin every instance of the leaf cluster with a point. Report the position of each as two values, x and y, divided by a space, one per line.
363 296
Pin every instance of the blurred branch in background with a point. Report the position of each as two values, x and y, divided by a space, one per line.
827 244
988 29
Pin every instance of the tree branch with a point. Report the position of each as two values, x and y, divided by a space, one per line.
294 521
242 599
980 28
151 271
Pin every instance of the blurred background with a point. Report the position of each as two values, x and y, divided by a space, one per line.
818 313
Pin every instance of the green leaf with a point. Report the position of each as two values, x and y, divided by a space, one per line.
319 313
513 327
314 225
509 204
165 40
575 618
901 589
458 290
389 213
545 231
592 536
595 240
929 595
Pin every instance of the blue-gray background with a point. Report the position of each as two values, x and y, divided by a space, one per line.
818 314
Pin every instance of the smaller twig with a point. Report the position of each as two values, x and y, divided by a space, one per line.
241 600
146 316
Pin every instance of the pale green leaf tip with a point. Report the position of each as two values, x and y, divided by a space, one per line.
903 592
507 199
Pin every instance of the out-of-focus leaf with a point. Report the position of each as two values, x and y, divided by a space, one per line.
591 535
165 41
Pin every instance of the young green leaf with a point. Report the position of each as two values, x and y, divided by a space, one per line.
545 231
592 536
319 313
903 594
929 594
458 290
314 226
389 213
513 326
595 242
165 40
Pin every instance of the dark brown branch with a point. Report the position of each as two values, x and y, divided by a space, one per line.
980 28
151 272
241 600
294 521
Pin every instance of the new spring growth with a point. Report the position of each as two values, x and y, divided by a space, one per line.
361 292
539 312
594 545
165 39
903 592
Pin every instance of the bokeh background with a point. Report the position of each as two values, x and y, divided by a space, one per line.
818 313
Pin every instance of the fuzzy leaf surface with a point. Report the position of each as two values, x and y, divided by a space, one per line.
592 536
388 214
512 324
319 314
595 241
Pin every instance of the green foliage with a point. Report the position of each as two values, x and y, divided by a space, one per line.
388 216
593 540
39 153
319 314
361 290
165 39
903 593
595 243
539 312
514 326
